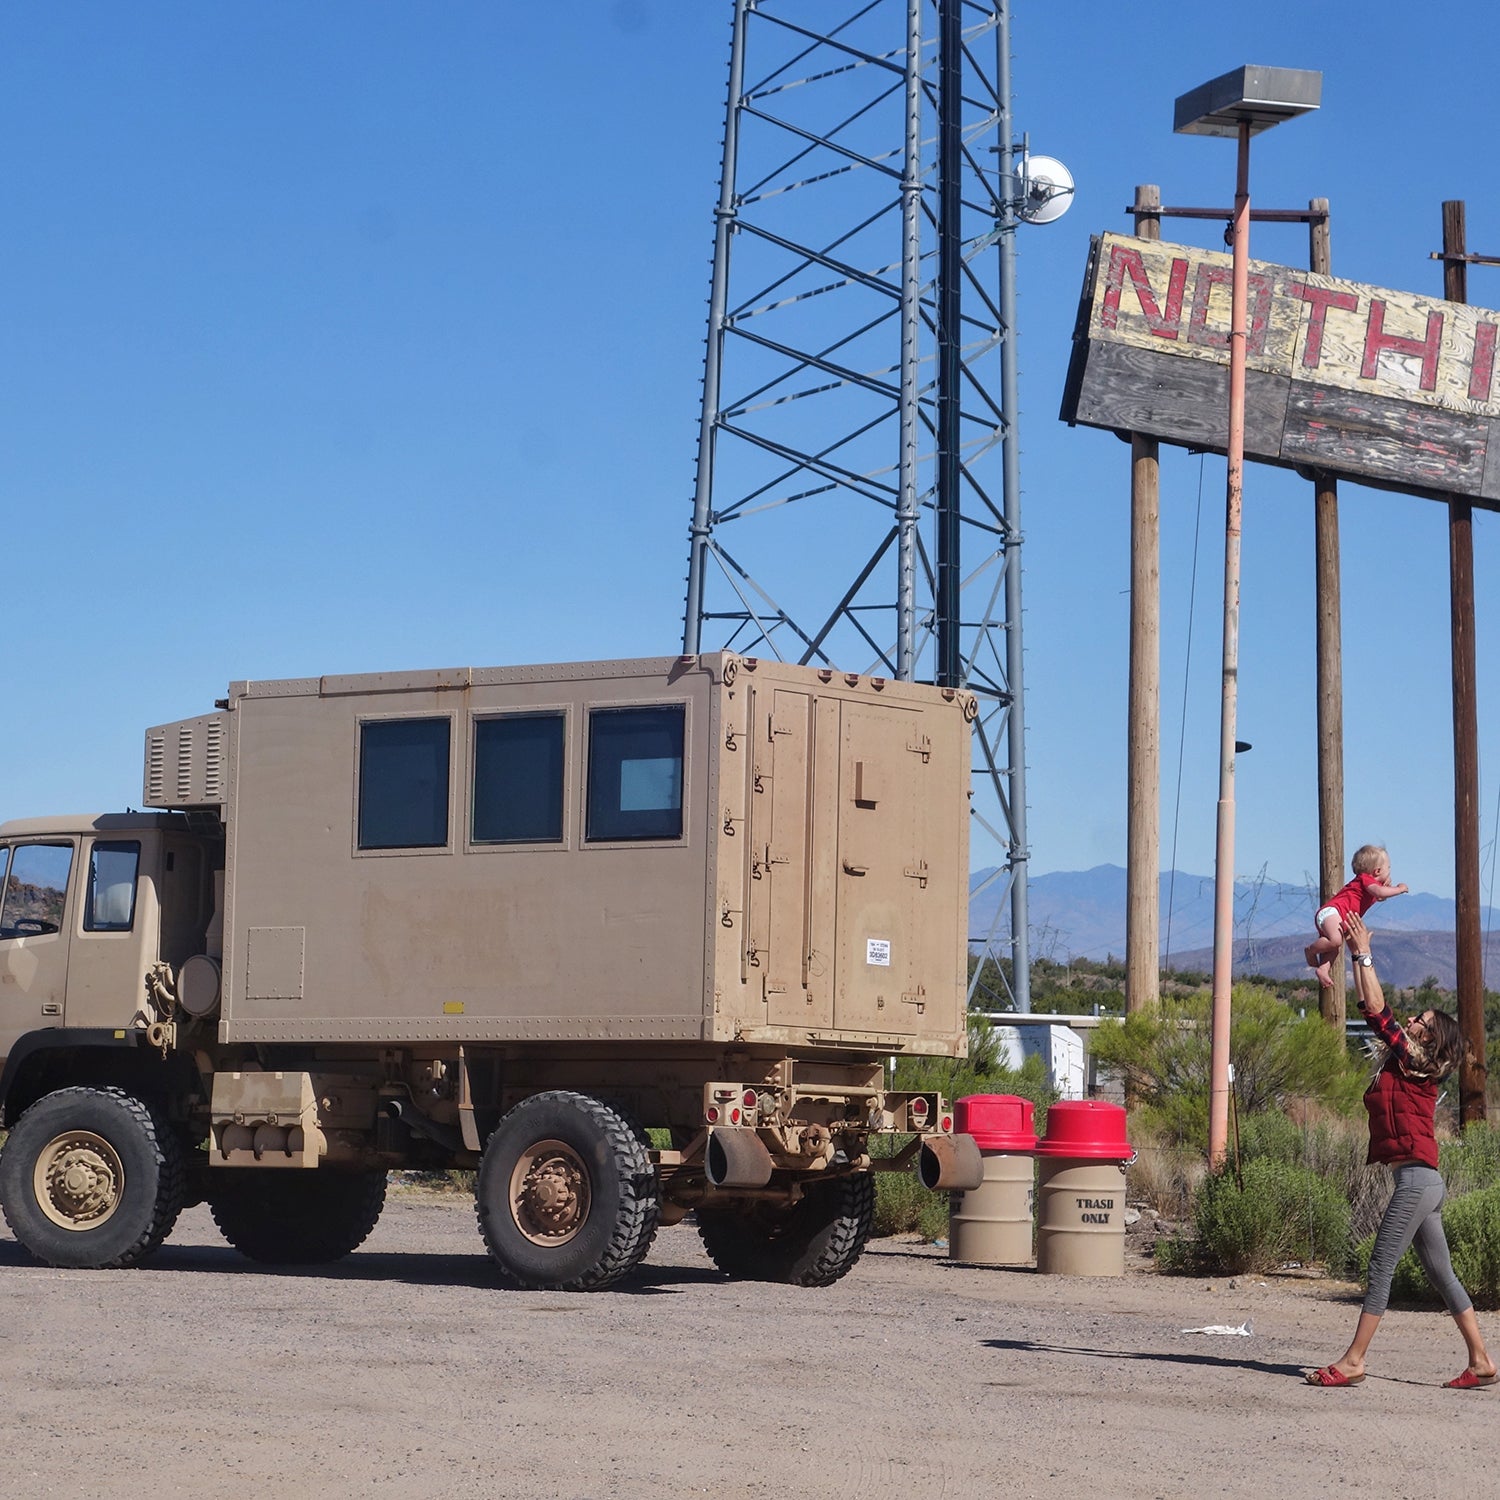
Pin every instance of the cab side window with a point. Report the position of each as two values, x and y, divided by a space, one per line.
110 904
36 887
635 773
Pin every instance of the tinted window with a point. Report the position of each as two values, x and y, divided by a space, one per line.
35 890
635 773
111 894
403 784
518 779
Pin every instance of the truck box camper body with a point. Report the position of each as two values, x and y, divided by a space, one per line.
506 918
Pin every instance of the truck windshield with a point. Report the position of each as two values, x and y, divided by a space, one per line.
35 889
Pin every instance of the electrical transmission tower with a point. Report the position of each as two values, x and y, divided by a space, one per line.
857 500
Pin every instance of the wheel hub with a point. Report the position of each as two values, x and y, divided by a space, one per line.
549 1193
78 1180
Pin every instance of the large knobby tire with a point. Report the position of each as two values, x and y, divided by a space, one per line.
566 1194
809 1243
293 1216
91 1178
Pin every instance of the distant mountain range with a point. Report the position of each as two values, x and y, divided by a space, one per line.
1081 914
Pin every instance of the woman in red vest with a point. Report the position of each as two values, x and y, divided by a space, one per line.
1402 1104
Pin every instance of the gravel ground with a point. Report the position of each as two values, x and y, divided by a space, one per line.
406 1370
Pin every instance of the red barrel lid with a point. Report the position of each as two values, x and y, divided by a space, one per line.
1091 1128
998 1122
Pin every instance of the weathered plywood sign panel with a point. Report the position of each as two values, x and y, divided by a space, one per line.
1385 387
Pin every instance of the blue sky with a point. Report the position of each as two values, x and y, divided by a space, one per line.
355 336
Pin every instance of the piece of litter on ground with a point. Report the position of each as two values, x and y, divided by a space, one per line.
1243 1331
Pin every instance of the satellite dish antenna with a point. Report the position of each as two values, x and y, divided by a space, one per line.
1046 190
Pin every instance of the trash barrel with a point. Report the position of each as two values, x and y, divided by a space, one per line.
1081 1160
991 1225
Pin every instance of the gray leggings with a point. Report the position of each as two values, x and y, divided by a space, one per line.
1414 1218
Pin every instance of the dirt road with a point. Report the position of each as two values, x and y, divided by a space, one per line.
407 1371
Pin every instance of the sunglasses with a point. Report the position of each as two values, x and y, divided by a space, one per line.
1425 1022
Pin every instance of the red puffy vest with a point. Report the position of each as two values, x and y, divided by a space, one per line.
1401 1113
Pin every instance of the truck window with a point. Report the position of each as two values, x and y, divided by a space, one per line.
110 904
635 773
518 780
403 784
35 890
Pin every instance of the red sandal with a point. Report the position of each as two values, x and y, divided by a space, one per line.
1331 1375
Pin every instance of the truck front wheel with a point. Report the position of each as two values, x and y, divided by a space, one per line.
809 1243
91 1178
566 1194
286 1216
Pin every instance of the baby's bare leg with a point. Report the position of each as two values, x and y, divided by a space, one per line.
1320 952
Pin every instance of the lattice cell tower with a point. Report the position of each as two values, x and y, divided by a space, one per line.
858 500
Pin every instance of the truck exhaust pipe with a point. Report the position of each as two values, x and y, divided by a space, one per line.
737 1158
950 1163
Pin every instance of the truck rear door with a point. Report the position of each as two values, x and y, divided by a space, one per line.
854 866
887 945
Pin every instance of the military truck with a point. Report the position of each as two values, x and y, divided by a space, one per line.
627 939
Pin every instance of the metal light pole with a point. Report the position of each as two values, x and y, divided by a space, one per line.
1238 105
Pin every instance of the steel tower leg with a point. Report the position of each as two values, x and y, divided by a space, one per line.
1010 404
692 628
907 507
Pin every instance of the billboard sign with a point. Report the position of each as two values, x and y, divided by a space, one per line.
1388 388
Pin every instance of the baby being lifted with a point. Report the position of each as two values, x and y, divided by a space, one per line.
1371 883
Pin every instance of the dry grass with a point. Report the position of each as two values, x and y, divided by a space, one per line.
1165 1173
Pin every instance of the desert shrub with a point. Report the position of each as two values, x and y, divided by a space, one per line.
904 1206
443 1180
1332 1147
1278 1057
1471 1224
1282 1213
1472 1160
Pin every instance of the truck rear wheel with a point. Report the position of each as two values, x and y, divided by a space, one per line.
566 1194
286 1216
809 1243
91 1178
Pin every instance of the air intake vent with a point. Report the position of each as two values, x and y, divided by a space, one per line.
156 764
186 763
213 761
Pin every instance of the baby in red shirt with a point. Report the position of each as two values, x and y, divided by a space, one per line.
1371 883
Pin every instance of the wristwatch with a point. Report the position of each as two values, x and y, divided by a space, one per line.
1363 959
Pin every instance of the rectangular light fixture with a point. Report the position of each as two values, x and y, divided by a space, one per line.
1262 96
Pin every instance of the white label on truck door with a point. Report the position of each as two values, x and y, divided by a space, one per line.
878 951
